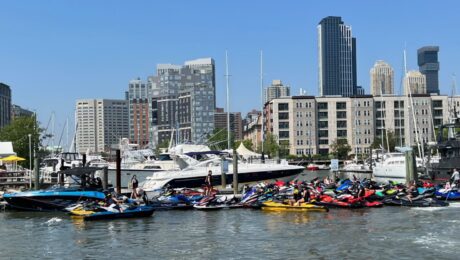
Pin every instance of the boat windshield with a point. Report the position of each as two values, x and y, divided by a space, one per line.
164 157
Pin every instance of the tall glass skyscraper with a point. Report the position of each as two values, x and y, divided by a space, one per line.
5 105
429 66
337 58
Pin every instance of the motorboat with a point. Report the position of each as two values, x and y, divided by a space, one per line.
193 173
317 167
78 185
393 167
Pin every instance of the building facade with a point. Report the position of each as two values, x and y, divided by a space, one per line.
236 123
427 59
101 124
337 58
5 105
252 125
382 79
183 101
276 90
311 124
138 96
18 111
414 83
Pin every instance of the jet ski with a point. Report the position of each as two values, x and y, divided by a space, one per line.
419 201
100 213
278 206
448 194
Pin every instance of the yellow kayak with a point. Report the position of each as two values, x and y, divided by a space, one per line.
277 206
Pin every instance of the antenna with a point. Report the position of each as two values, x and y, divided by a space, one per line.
228 100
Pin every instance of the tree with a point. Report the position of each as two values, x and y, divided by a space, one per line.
271 146
340 148
18 132
377 144
164 144
218 139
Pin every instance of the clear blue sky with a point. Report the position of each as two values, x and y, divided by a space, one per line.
54 52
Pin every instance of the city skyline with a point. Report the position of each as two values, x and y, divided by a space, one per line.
57 48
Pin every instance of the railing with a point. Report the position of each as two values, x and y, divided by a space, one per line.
10 179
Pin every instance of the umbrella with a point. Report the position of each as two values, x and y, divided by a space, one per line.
12 158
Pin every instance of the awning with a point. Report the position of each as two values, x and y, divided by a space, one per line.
12 158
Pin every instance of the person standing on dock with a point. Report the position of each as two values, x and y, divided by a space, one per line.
134 185
208 183
455 178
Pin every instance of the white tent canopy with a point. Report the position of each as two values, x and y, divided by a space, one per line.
6 149
245 152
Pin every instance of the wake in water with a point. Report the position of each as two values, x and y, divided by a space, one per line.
53 221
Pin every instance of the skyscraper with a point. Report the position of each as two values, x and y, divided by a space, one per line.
276 90
337 58
415 82
382 79
139 95
102 123
5 105
184 99
429 66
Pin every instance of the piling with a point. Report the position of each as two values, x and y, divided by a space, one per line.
411 167
223 170
118 171
37 174
84 159
235 172
105 178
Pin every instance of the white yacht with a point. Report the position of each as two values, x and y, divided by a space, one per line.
392 167
193 173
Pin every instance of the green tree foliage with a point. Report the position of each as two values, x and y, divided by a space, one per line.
218 139
164 144
340 148
377 144
18 133
271 146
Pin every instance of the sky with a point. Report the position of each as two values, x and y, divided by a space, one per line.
55 52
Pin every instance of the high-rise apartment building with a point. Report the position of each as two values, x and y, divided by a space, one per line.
382 79
337 58
183 99
276 90
5 105
139 95
236 123
311 124
101 124
414 83
427 58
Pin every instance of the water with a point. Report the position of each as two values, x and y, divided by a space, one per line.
384 233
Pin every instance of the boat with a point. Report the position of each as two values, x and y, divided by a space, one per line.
447 194
449 152
393 167
317 167
101 213
57 198
420 201
193 173
278 206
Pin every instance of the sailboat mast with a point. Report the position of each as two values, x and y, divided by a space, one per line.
417 137
228 101
262 100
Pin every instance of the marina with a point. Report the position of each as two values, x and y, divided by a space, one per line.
388 232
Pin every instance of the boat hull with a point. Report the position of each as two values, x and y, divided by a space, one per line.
139 212
276 206
49 200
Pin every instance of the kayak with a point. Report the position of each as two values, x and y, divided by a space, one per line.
277 206
104 213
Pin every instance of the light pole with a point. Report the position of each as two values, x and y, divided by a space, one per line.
30 160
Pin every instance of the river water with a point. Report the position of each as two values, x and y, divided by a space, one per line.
383 233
